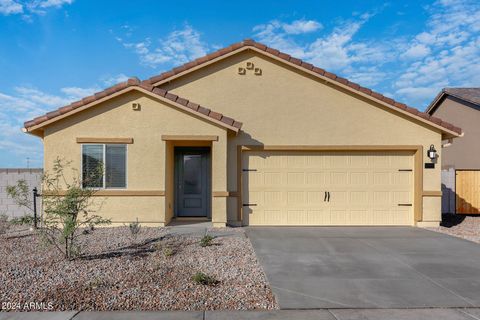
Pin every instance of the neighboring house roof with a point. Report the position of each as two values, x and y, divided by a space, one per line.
471 95
132 84
276 54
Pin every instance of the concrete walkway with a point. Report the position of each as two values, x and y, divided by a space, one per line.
368 267
323 314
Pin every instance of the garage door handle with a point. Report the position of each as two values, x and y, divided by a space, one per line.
404 204
328 199
325 198
249 204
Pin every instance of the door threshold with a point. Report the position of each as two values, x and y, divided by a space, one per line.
198 219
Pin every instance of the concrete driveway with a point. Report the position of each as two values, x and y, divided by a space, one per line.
367 267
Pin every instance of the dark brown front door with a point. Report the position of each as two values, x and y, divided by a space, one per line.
192 182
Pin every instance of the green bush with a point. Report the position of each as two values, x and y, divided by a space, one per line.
23 220
168 252
206 240
204 279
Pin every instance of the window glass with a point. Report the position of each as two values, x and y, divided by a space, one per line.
115 173
92 165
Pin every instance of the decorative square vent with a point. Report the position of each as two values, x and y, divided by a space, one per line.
242 71
136 106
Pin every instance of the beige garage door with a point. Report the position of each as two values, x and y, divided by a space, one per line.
327 188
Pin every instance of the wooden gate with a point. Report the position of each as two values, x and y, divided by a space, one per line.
467 188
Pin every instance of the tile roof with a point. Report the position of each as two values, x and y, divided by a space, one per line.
307 66
468 94
471 95
134 82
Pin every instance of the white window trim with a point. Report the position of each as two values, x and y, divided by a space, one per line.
104 147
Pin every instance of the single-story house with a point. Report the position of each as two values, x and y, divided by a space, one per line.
249 135
461 160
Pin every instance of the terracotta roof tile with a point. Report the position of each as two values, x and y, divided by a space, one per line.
342 80
203 110
182 101
135 82
227 120
295 61
275 52
171 96
260 46
237 124
193 105
330 75
320 71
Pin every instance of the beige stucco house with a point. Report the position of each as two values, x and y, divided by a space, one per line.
461 160
248 135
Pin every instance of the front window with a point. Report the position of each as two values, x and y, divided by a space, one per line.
104 165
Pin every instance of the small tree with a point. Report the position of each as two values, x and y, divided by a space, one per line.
68 208
22 196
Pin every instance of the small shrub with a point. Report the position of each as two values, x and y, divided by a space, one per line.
23 220
204 279
96 283
4 223
134 228
206 240
168 252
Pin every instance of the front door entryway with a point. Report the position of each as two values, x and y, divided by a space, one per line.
192 182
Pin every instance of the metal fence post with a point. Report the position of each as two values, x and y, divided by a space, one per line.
35 195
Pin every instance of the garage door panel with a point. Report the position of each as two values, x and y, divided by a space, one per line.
365 188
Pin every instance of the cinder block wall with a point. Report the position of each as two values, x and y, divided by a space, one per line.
33 177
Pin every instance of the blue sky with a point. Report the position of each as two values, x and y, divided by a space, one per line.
53 52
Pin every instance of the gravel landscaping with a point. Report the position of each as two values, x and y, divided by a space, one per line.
154 273
462 226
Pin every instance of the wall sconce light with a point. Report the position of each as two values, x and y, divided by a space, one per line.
432 153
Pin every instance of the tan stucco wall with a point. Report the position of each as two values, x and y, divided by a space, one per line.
147 157
464 153
284 106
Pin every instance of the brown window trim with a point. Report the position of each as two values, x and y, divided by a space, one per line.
119 193
189 138
105 140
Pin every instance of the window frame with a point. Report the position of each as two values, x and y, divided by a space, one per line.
104 154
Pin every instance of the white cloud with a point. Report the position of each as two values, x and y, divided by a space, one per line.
301 26
178 47
112 80
445 53
11 7
336 51
52 3
76 93
8 7
416 51
25 103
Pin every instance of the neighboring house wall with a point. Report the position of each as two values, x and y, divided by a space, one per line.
464 153
10 177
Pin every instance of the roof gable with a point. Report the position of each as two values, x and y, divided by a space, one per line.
471 96
448 129
33 126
